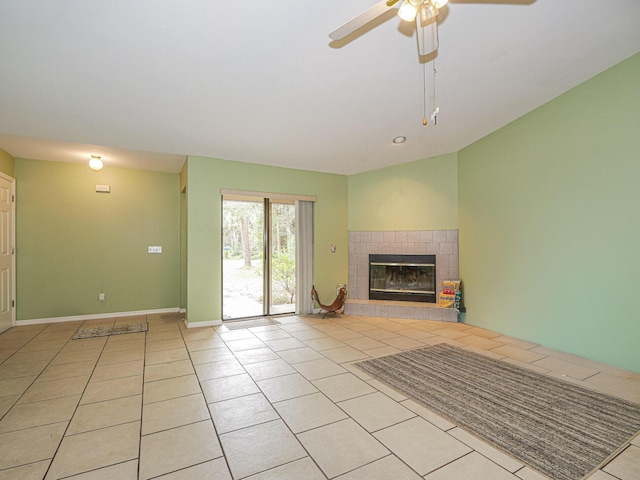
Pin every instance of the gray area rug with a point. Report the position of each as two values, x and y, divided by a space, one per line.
104 330
560 429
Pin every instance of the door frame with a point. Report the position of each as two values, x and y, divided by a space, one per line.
12 240
267 201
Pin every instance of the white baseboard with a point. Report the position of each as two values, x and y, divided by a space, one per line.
208 323
95 316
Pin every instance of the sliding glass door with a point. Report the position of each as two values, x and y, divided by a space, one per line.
258 257
242 258
282 242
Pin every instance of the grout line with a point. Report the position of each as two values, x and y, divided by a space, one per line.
144 365
284 422
450 462
215 429
79 400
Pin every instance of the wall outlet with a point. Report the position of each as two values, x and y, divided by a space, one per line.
155 249
102 297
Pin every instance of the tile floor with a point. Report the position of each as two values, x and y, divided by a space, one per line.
274 402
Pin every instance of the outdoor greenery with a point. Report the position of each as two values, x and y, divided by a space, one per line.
283 271
243 231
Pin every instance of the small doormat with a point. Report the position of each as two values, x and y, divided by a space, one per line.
105 330
562 430
256 322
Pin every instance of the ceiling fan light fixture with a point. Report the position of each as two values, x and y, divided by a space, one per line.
409 9
427 11
95 163
439 3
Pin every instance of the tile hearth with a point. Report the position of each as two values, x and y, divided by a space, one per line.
406 310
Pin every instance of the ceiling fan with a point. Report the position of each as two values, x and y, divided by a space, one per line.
424 12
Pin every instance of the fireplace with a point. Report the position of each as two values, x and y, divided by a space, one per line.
410 278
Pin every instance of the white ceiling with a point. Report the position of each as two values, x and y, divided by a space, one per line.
261 81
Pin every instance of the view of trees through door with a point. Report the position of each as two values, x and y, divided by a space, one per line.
258 237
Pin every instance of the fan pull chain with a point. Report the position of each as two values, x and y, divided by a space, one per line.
436 109
424 93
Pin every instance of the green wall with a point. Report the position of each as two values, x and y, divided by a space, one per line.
421 195
74 243
206 176
7 163
549 229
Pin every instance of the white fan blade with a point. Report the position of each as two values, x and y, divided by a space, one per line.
360 21
427 37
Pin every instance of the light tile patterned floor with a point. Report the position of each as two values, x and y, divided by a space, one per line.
266 403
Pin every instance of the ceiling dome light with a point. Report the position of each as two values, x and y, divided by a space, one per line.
399 140
95 163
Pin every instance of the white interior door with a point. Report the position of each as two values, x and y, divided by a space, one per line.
6 252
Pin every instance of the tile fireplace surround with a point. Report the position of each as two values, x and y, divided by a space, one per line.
441 243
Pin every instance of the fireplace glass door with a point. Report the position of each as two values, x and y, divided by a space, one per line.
402 277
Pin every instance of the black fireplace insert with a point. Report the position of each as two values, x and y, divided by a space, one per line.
409 278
